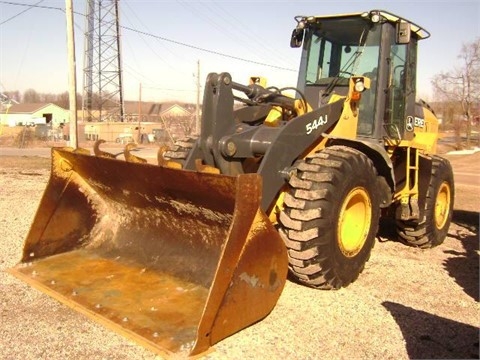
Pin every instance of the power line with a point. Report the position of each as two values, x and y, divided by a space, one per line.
241 32
143 38
33 5
165 39
21 12
168 89
206 50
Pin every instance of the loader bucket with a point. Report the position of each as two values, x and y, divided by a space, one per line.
175 259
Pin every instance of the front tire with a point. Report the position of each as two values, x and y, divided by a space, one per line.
330 217
433 229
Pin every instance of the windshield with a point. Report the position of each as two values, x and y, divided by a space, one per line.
337 49
341 48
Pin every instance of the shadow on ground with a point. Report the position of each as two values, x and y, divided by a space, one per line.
387 230
428 336
463 265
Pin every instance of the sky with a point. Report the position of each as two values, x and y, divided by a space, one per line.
162 42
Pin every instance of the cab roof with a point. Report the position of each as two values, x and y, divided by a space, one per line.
385 15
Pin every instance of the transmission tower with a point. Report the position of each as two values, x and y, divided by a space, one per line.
102 73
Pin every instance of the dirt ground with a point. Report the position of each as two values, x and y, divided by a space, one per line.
408 303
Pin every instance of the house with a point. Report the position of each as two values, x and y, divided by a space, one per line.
169 110
134 108
152 112
33 114
177 119
174 119
159 122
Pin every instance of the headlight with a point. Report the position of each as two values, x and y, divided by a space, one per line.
374 16
359 86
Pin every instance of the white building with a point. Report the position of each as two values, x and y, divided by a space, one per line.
35 113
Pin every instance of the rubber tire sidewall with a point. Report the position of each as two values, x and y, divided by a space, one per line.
346 268
426 234
337 270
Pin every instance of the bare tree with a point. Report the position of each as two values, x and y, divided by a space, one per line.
47 97
62 100
31 96
186 123
462 84
179 126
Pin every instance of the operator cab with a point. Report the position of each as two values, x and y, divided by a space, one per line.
375 44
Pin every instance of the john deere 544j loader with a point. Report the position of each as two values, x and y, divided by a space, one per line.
182 254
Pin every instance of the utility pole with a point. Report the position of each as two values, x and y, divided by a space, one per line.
72 77
139 137
197 112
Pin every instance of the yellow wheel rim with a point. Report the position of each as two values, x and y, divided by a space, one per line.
442 205
354 222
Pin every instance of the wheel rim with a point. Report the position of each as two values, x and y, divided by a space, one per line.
442 205
354 222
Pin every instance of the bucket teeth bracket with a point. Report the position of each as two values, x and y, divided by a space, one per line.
129 157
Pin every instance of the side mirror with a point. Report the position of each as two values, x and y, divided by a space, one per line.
403 32
297 38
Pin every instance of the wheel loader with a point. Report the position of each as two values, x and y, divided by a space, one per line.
181 254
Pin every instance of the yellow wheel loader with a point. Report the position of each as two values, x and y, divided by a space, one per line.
182 254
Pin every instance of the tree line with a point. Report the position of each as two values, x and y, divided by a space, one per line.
458 90
31 96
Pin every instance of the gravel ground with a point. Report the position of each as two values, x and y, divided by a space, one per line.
408 303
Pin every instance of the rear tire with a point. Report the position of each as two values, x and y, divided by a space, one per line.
433 229
330 217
